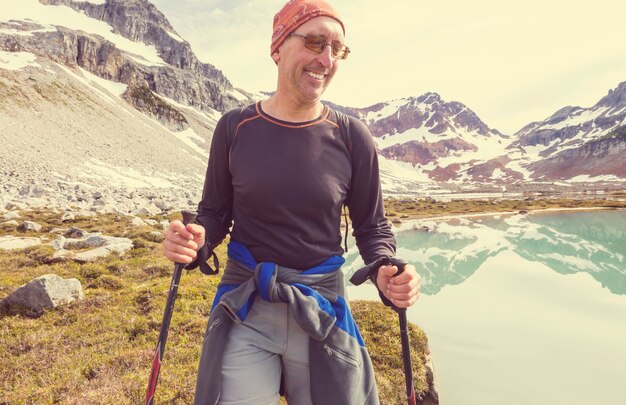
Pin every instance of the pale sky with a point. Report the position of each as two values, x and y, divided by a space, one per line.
510 61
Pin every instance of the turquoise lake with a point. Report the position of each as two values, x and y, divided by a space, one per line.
521 309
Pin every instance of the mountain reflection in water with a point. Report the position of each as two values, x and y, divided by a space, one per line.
451 251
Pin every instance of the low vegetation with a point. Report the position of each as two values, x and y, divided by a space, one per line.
99 350
398 210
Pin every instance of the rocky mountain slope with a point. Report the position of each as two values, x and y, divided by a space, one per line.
428 142
434 141
575 141
103 97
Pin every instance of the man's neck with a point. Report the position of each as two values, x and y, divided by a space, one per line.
287 110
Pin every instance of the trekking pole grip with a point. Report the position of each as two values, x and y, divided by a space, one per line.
189 216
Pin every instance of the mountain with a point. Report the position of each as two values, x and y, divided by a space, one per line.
578 142
427 141
104 98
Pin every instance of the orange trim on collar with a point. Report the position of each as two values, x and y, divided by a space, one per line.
266 117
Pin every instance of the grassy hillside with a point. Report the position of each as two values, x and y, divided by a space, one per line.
99 350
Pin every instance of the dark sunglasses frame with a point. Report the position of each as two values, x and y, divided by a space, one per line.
317 44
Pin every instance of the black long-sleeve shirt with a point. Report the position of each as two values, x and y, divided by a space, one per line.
281 185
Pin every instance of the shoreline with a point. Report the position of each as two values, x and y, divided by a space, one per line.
412 223
535 211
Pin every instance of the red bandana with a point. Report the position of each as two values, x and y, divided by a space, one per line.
297 12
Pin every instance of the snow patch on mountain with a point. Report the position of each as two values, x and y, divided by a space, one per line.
580 117
192 139
105 89
585 178
50 16
389 108
486 148
17 60
91 1
420 134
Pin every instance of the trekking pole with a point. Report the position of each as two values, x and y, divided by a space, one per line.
404 337
188 217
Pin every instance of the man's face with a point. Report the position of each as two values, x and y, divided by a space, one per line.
303 73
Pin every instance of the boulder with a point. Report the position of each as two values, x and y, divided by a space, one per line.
12 205
147 210
12 215
163 206
138 222
11 223
56 230
74 232
29 226
91 240
94 240
68 216
58 243
47 291
94 254
62 255
32 191
12 243
157 236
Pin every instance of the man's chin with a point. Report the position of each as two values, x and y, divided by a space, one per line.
314 95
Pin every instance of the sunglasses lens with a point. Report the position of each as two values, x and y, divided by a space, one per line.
338 50
315 43
318 43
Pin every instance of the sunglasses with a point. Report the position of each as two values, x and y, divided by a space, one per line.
317 44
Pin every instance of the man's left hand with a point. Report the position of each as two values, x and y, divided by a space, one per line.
402 290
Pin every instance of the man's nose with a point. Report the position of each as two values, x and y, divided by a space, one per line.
326 57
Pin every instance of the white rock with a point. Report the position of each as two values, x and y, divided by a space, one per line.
58 243
14 206
58 230
158 236
28 226
94 254
12 215
47 291
68 216
62 255
147 210
138 222
87 241
13 243
75 232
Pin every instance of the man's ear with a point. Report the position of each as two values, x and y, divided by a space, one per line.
276 57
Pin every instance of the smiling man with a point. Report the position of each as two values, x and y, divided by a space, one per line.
280 171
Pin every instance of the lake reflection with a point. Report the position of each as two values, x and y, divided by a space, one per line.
522 309
450 252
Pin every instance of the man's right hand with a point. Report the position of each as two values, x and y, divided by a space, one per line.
182 242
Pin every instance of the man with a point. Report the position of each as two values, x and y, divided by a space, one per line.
279 172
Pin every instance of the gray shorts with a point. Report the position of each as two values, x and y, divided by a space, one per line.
269 343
